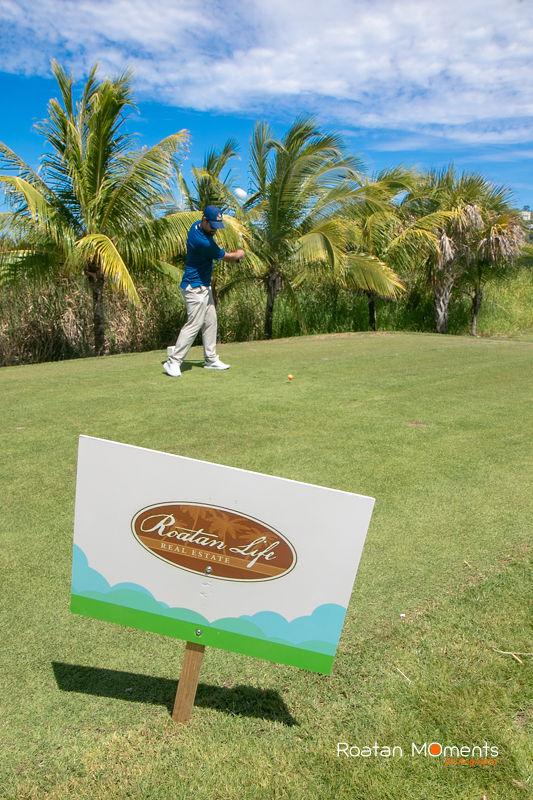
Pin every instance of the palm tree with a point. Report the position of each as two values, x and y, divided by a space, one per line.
382 236
93 207
494 248
300 185
464 202
376 222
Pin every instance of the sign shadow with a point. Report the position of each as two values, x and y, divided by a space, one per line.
246 701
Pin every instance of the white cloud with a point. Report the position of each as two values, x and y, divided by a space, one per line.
460 69
508 155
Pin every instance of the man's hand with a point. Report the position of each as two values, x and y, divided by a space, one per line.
236 256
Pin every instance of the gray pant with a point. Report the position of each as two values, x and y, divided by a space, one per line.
201 313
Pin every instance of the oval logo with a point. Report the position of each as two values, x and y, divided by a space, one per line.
214 541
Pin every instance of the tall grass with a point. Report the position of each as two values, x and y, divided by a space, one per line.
507 310
46 322
52 322
508 306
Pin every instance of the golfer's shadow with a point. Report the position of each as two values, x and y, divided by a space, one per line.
241 700
185 366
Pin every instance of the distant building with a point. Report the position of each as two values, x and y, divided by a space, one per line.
527 216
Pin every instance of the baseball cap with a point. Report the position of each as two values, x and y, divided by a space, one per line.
214 216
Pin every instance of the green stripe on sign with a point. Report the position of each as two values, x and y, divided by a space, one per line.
213 637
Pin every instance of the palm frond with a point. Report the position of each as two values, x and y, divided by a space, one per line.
145 179
37 206
10 160
211 191
261 144
37 215
371 274
417 239
293 299
322 244
110 262
186 193
170 271
25 265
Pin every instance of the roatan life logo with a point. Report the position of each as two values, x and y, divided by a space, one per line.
215 541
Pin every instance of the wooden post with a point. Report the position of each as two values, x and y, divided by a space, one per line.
188 682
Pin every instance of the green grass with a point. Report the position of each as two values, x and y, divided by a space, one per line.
438 429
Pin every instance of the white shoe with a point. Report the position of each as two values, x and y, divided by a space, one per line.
218 364
172 369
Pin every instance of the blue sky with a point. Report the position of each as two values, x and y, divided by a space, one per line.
416 82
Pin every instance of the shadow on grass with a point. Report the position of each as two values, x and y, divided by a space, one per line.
185 366
188 365
238 700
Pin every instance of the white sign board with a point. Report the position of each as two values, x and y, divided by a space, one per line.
214 555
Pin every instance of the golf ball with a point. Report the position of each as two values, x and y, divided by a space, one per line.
290 377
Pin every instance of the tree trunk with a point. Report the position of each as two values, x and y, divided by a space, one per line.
476 307
372 320
442 293
96 282
273 288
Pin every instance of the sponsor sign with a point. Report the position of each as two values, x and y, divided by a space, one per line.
214 555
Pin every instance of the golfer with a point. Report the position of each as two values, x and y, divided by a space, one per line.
195 287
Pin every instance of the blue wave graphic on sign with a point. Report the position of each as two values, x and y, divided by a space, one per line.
320 631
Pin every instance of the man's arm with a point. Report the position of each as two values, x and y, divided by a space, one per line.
236 256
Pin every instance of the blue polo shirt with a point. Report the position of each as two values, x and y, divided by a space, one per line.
201 251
